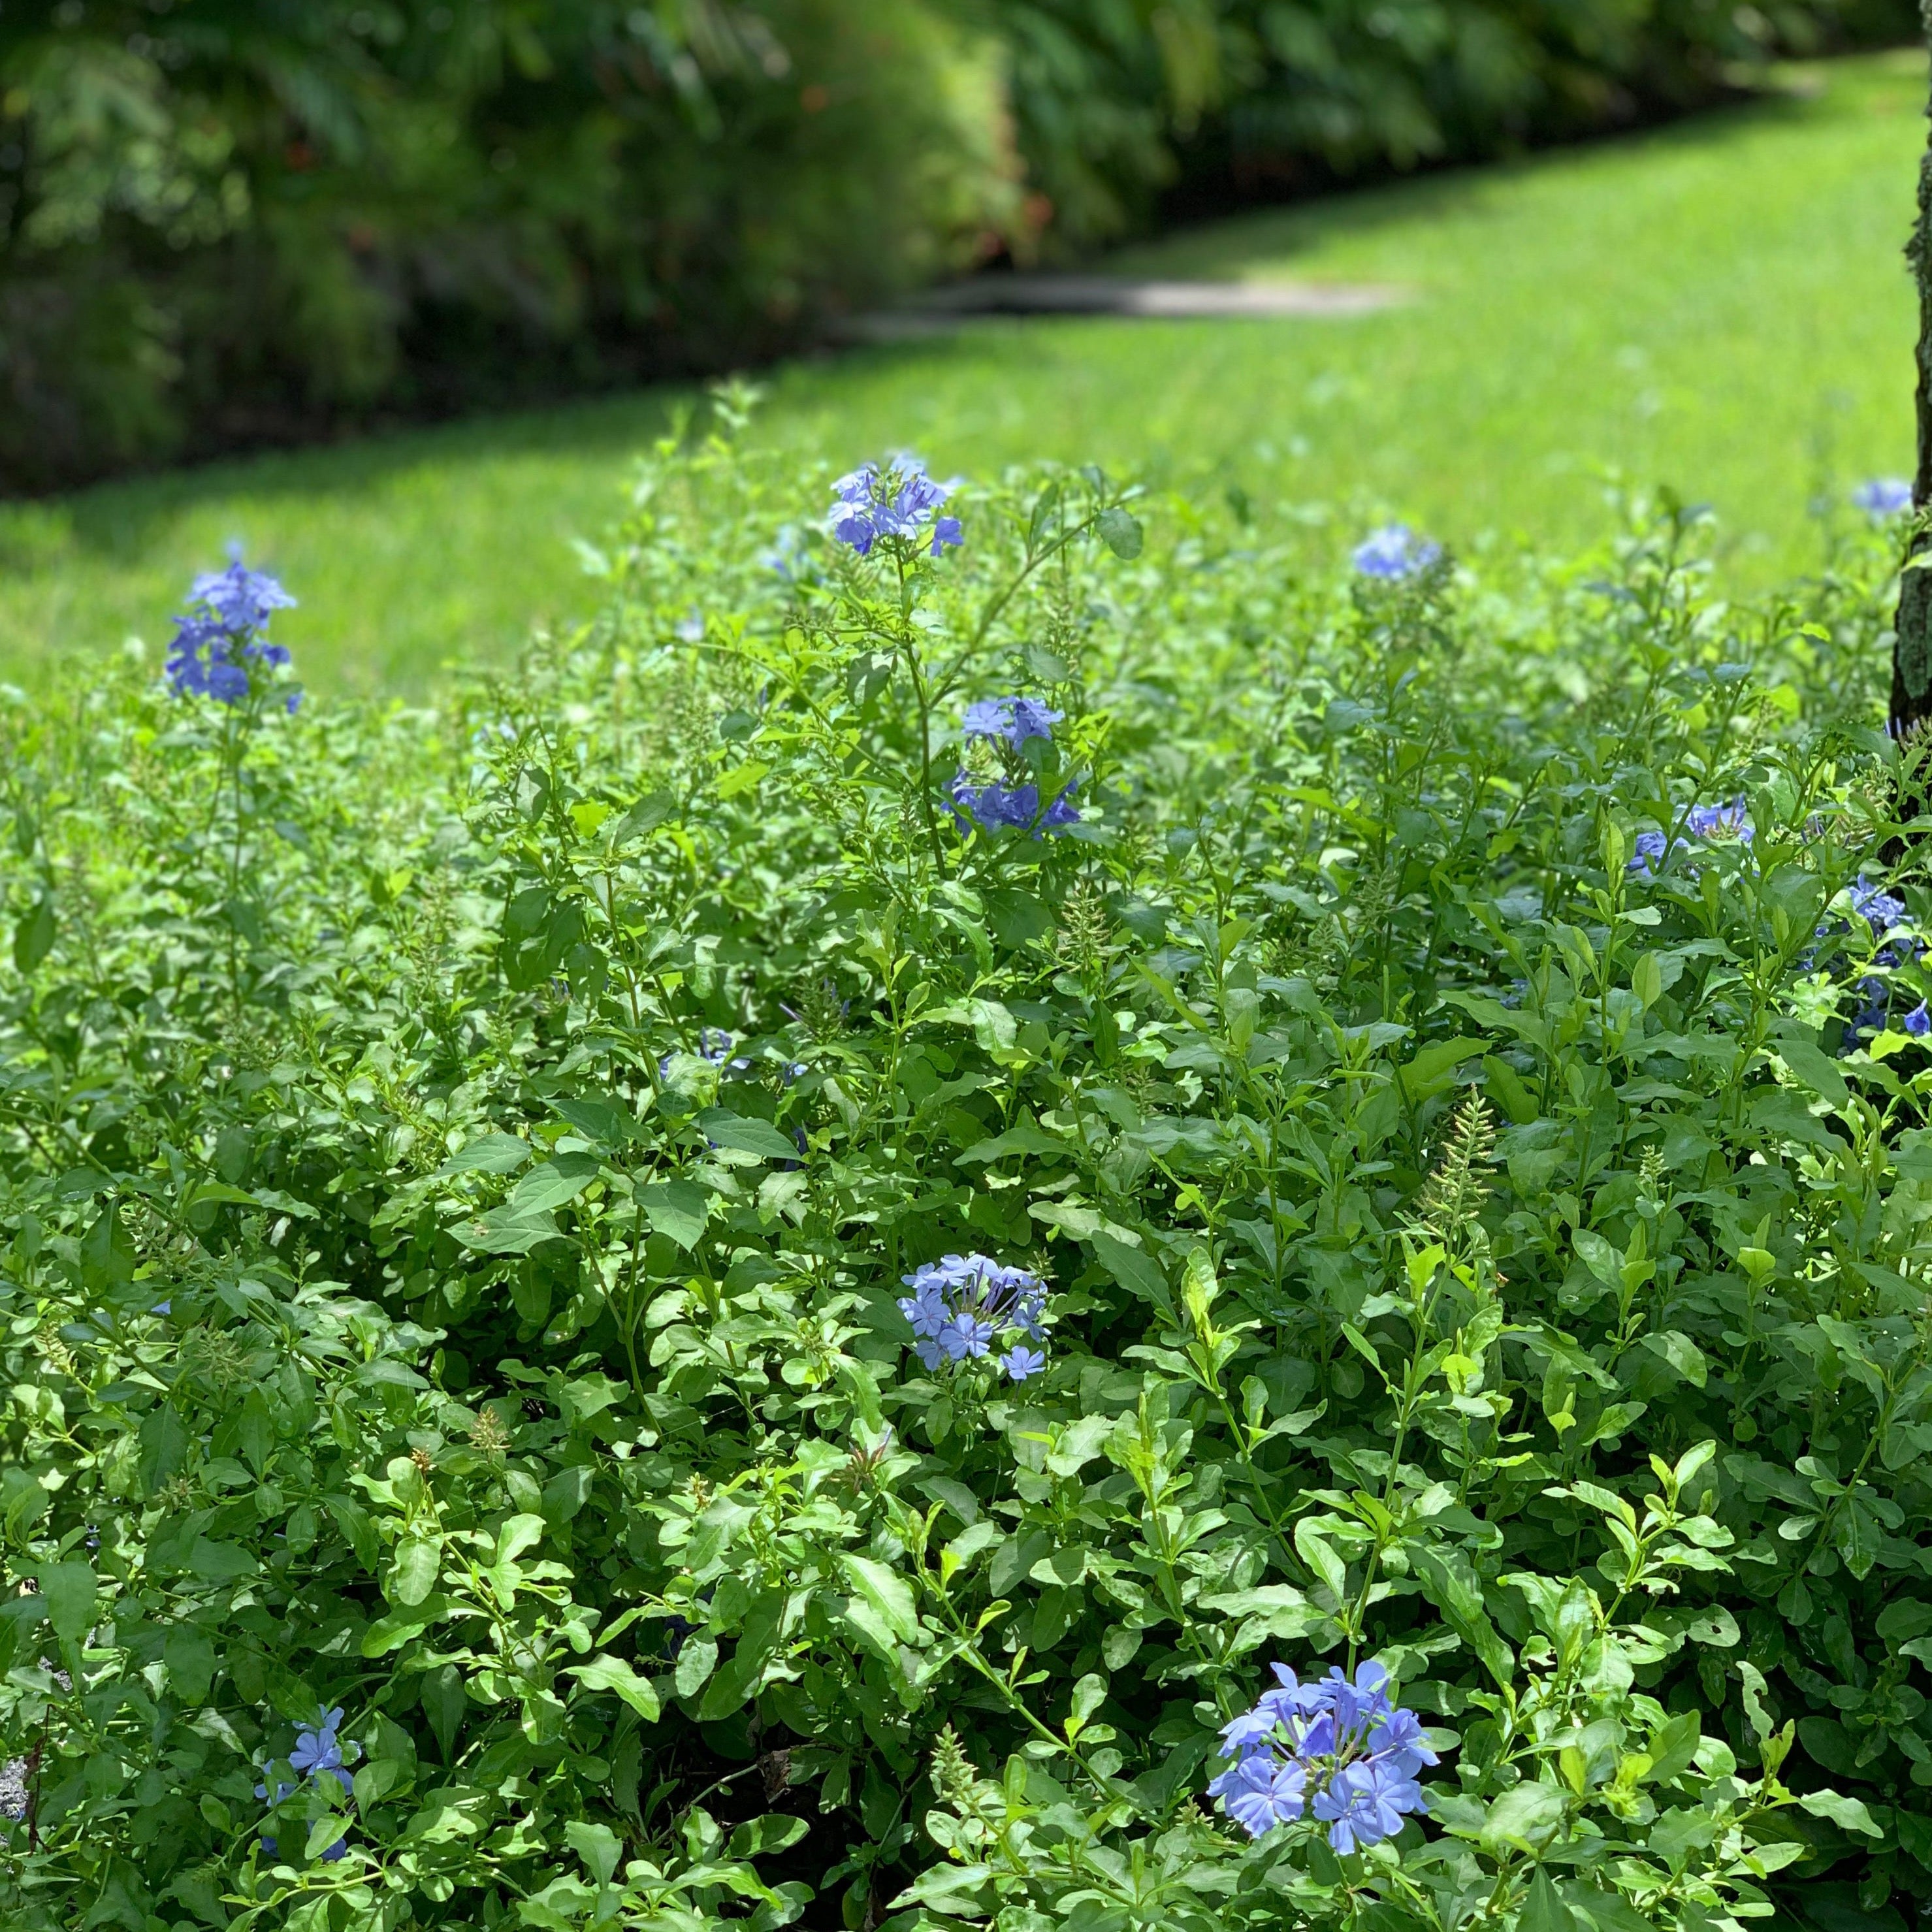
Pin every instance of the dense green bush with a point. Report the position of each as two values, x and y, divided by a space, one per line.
459 1168
1117 106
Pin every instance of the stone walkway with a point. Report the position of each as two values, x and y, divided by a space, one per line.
940 308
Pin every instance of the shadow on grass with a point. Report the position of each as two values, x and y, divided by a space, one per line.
118 520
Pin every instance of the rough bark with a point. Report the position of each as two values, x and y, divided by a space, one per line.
1911 652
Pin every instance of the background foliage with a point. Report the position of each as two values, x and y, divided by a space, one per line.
223 223
1475 1241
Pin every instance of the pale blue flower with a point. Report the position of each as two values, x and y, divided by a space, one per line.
223 630
317 1753
894 500
1394 552
1258 1792
1337 1738
1882 496
961 1305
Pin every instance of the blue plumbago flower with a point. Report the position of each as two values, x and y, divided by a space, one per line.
317 1753
1010 802
1708 823
1882 496
994 807
1011 720
1262 1791
690 628
896 499
1338 1746
1882 912
1393 552
1880 909
1918 1021
226 625
960 1305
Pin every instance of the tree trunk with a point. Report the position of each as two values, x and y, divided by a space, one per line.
1911 652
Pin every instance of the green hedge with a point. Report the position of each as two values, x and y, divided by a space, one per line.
229 222
223 223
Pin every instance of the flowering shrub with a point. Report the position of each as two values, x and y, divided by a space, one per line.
617 1313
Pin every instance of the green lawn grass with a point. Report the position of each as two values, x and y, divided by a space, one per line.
1721 305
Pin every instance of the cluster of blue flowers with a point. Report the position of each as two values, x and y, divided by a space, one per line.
318 1754
226 626
1011 802
1880 910
897 499
1394 552
961 1305
1883 496
1704 822
1343 1748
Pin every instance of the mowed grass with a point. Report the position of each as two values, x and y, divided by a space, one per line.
1721 305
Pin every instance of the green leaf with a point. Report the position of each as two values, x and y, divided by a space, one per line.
1044 505
697 1659
1511 1094
1023 1139
597 1845
566 1492
220 1562
34 933
553 1184
613 1674
1428 1072
1543 1907
507 1230
444 1703
324 1835
884 1600
1849 1814
494 1153
1680 1352
646 816
107 1256
70 1589
609 1125
677 1209
1320 1556
419 1558
1672 1746
1527 1818
164 1446
1120 532
1811 1063
393 1631
757 1138
1134 1269
1450 1582
189 1653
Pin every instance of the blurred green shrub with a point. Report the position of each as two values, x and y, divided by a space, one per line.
1117 101
221 222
